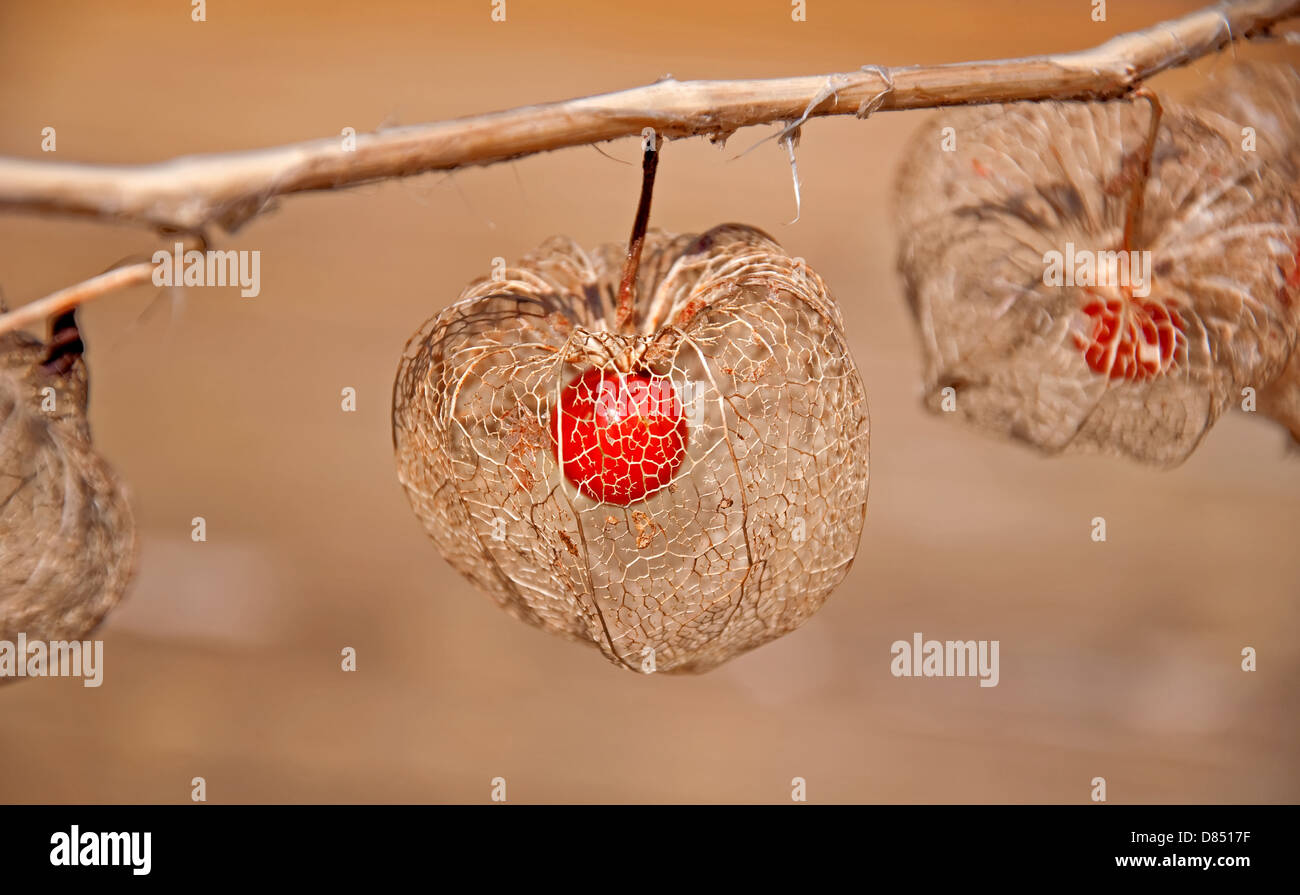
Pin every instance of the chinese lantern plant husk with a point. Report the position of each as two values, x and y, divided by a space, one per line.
1069 368
1267 98
758 522
67 536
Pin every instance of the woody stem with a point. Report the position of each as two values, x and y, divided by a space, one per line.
1133 216
627 288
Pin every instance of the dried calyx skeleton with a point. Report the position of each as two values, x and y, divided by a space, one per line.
67 536
1210 189
756 443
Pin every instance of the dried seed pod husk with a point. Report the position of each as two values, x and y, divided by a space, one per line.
1066 368
759 523
1266 99
67 536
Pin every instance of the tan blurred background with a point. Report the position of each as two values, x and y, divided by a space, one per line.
1119 660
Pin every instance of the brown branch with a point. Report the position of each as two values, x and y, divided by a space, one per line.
190 193
66 299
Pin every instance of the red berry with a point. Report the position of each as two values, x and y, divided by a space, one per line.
619 437
1130 338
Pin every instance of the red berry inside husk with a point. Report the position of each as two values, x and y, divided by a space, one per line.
619 437
1131 339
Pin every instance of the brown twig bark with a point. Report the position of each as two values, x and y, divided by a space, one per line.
64 300
192 193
